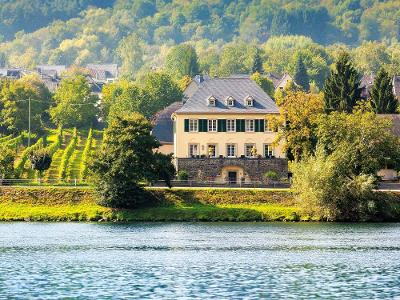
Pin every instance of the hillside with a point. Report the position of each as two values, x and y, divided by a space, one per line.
138 34
74 163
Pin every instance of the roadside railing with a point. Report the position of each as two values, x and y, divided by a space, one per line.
174 183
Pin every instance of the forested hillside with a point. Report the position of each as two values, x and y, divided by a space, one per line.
138 34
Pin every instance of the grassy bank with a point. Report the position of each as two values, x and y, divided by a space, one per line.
78 204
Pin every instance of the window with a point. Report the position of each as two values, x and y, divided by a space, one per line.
230 101
249 125
211 101
249 101
212 125
268 150
267 126
230 125
248 150
193 125
231 150
193 150
212 150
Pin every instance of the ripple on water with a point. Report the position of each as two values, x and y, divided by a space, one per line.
186 261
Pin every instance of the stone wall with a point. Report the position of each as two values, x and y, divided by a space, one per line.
211 168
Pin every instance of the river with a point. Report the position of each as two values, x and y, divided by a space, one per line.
199 261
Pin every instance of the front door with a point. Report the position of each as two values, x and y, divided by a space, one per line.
232 176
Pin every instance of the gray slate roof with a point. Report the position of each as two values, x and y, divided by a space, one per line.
396 122
163 124
222 88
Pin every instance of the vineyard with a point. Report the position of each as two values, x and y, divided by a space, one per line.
69 149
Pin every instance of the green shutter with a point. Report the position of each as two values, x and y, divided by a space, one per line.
203 125
257 125
242 125
221 125
238 125
186 125
262 125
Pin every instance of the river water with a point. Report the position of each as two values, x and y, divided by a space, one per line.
199 261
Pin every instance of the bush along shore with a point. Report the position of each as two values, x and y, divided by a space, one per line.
79 204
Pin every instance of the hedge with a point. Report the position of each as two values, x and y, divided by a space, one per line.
67 155
86 155
57 144
19 167
5 138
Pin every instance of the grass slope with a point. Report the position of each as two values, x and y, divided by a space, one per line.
78 204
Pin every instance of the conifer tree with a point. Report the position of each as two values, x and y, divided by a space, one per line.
300 74
257 63
381 95
342 87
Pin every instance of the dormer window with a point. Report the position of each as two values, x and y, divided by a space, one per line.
212 101
249 101
230 101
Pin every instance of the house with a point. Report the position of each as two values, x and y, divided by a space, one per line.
388 173
163 127
367 81
51 75
222 133
12 73
103 73
278 81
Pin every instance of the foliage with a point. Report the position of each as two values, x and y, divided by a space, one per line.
68 151
86 155
296 122
183 175
19 167
337 182
40 160
266 84
300 75
75 105
7 157
182 61
56 144
14 99
342 87
271 176
382 98
127 159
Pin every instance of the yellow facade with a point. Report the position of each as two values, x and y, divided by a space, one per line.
247 143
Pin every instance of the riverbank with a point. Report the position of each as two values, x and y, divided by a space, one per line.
203 204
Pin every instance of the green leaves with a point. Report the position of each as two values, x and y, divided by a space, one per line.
126 160
342 87
381 95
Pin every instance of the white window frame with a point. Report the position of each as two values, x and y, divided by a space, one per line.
249 101
212 101
230 128
230 101
193 125
269 150
267 127
228 148
190 152
249 125
215 150
248 154
212 125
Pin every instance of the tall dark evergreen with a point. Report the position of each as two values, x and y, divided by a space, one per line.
257 63
301 75
342 87
381 95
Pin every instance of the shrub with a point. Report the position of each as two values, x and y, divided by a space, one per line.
271 176
67 155
19 168
57 144
183 175
40 160
86 155
6 138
